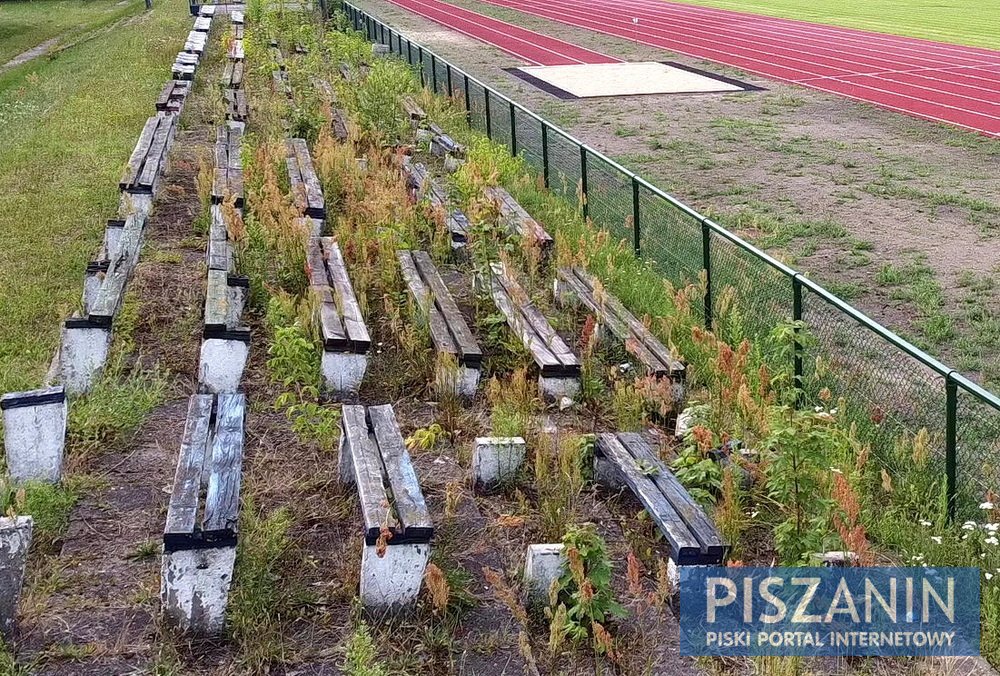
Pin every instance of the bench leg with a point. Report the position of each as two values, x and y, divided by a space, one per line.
221 365
496 460
554 389
15 540
461 380
34 439
607 475
343 371
194 588
392 580
543 565
82 355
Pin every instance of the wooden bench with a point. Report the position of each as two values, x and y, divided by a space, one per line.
228 176
442 144
236 51
238 31
232 75
517 220
206 10
414 111
171 98
184 66
123 256
346 340
306 190
694 540
279 83
203 24
149 158
559 369
300 48
196 42
449 331
219 254
576 285
225 297
236 17
397 525
235 101
201 530
421 183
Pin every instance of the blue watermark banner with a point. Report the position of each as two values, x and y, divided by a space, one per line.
829 611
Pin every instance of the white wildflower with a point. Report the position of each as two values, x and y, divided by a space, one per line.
925 523
818 409
969 525
936 538
989 576
991 527
986 505
992 540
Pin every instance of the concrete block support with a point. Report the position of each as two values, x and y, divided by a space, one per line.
35 433
543 565
82 354
343 371
554 389
607 475
15 540
220 368
392 581
194 588
462 381
496 460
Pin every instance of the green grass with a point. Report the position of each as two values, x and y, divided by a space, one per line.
25 24
959 21
68 126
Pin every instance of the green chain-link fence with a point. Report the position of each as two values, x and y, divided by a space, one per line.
891 386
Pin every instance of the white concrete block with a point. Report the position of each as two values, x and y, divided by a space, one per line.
91 287
543 565
220 368
497 459
194 588
343 371
554 389
452 164
841 559
15 541
35 433
463 381
392 580
685 421
82 356
380 50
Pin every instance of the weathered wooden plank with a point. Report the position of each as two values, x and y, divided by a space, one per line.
440 335
236 51
376 507
547 362
684 546
138 157
182 512
346 301
203 24
517 219
713 548
120 268
216 302
468 348
156 157
412 109
222 499
407 498
313 191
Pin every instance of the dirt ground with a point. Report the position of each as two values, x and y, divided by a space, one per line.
836 188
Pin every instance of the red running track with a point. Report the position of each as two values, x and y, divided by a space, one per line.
937 81
533 47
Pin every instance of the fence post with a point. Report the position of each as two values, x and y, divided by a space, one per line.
513 132
409 52
706 263
545 153
451 92
951 443
636 232
583 182
423 71
434 72
468 102
797 359
489 123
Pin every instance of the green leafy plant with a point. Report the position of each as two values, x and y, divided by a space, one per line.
699 475
426 438
584 600
361 654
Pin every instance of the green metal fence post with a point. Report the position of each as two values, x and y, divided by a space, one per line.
451 92
409 52
513 131
797 359
489 123
545 153
434 72
423 71
468 102
951 443
706 263
583 182
636 232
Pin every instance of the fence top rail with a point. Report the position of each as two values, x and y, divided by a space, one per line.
909 348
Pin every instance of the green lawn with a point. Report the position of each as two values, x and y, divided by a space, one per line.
67 127
967 22
26 23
